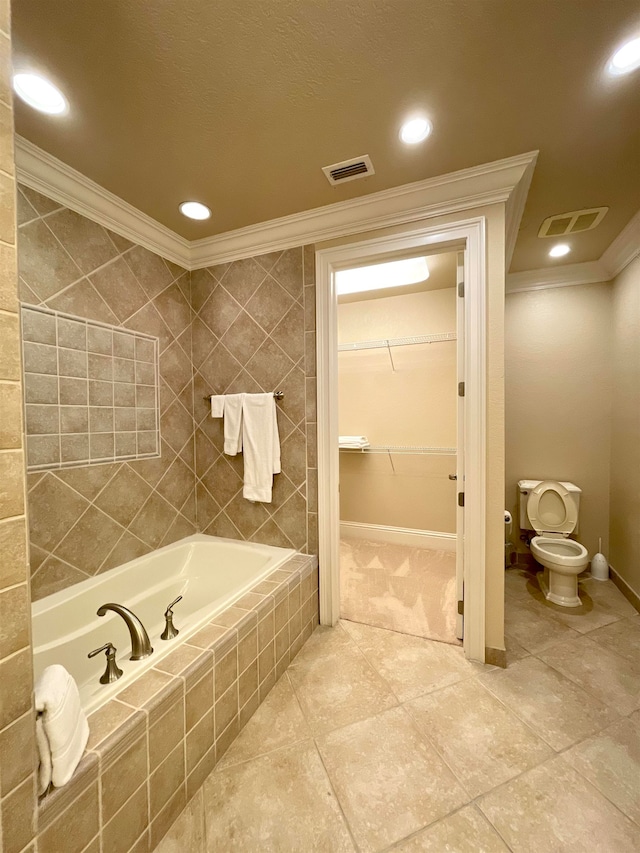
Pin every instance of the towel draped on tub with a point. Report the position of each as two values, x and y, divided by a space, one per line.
62 730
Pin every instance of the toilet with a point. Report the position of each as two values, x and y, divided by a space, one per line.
551 509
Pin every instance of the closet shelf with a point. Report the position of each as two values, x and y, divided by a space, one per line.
398 342
400 449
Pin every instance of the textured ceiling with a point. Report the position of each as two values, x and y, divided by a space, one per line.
238 103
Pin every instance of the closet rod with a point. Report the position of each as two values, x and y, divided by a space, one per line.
277 394
398 449
398 342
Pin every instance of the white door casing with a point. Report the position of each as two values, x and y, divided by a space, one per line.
460 365
469 234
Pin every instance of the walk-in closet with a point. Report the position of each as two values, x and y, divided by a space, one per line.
398 405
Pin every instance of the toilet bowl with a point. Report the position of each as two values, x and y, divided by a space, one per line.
551 509
563 560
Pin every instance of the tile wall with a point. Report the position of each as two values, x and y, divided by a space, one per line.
91 391
17 737
106 514
253 331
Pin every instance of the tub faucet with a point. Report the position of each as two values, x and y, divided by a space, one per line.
140 643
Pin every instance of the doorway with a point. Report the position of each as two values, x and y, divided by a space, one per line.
466 240
398 412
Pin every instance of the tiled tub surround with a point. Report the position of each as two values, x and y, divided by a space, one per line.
253 331
208 572
91 391
106 515
152 746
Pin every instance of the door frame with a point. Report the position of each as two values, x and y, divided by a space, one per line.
468 235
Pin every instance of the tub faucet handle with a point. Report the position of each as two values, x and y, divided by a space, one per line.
113 671
170 631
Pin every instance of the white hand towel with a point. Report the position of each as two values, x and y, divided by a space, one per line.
233 423
353 441
63 721
261 446
217 405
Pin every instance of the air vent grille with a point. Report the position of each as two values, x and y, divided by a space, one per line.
573 222
349 170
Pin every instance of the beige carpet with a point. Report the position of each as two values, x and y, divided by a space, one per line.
410 590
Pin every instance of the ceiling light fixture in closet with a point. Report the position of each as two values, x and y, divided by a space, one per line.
381 276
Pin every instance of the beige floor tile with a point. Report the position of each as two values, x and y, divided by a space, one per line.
278 722
552 809
402 588
481 740
335 690
559 711
601 672
532 627
514 650
274 804
611 761
520 585
412 666
622 637
187 833
608 597
324 643
389 781
466 831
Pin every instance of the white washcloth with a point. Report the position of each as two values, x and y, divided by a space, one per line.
261 446
65 730
44 756
233 423
217 405
350 441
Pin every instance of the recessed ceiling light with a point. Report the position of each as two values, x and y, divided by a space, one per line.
626 58
195 210
380 276
415 130
560 250
40 93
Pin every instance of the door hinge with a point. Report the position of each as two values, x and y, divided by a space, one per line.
461 608
460 389
461 288
460 498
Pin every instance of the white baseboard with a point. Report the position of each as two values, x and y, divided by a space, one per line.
430 539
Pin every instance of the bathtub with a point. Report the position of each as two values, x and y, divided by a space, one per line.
209 572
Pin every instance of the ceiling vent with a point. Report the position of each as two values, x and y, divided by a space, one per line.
349 170
573 222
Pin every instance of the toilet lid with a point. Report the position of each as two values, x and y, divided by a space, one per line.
551 509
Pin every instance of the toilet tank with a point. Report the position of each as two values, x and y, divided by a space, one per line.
525 486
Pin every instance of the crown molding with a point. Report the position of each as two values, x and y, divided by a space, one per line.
502 181
624 248
490 183
568 275
51 177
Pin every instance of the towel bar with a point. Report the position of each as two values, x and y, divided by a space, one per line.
277 394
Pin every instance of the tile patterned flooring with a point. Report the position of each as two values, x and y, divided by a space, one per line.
374 740
405 589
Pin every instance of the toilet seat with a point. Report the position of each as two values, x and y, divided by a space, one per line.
551 509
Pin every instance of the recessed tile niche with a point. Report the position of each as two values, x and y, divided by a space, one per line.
91 391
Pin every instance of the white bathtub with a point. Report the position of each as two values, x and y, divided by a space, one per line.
209 572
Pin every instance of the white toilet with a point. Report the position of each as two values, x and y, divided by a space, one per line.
551 509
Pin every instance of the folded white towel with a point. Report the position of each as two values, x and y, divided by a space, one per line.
217 405
353 441
65 730
44 756
233 423
261 446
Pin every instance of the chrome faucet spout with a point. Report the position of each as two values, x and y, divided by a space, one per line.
140 643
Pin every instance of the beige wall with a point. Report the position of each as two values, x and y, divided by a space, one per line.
413 405
17 737
624 530
558 397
